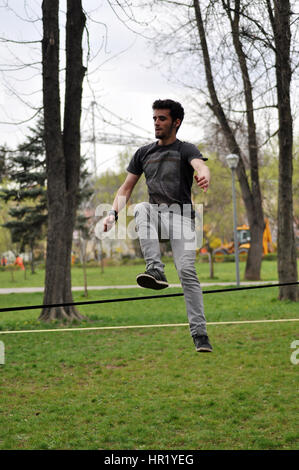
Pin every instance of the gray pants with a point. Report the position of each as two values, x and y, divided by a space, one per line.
153 224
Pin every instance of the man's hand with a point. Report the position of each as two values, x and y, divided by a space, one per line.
203 178
108 223
121 198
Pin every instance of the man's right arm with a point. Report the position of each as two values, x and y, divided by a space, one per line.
122 196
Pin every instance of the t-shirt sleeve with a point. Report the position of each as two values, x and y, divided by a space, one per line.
190 151
135 165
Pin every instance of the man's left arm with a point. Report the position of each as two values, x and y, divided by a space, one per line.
203 176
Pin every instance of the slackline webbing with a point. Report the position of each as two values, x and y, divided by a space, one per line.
129 327
126 299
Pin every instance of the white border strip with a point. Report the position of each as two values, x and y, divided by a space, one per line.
146 326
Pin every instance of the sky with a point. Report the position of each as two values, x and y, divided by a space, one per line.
121 79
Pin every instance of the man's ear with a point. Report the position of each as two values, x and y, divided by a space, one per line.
177 123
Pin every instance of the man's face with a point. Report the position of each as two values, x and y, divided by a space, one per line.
164 126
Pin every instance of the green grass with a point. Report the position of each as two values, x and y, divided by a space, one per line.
125 275
230 306
148 388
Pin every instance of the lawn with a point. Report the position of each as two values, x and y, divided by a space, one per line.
231 306
147 388
125 274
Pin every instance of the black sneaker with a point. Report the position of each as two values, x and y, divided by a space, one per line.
152 279
202 343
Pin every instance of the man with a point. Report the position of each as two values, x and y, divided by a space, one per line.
168 165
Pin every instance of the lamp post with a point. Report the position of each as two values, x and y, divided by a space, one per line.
232 162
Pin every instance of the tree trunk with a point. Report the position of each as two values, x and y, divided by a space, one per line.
286 251
62 152
82 245
255 217
211 263
32 258
85 277
102 257
251 197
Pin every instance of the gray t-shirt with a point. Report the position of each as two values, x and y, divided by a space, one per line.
167 170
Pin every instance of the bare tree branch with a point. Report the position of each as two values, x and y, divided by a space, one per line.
12 41
18 123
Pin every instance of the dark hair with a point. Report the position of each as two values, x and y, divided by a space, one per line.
175 108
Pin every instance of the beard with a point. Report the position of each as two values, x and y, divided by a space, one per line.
163 134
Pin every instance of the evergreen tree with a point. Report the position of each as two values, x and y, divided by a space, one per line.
3 162
27 192
26 172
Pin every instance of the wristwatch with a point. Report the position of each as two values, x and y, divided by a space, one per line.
114 213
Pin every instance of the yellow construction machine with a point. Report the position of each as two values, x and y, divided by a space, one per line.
244 237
